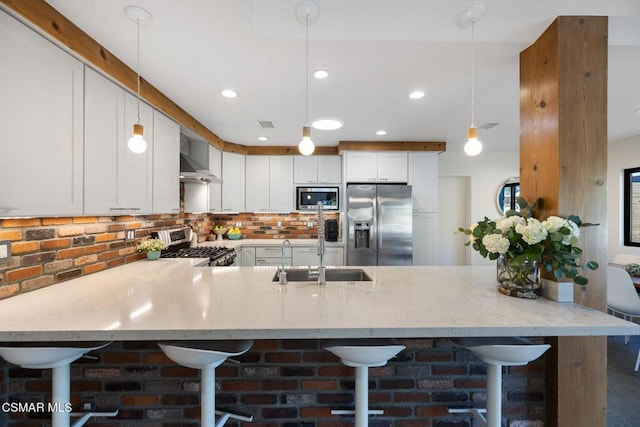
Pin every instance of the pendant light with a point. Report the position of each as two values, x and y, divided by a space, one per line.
470 16
306 12
136 143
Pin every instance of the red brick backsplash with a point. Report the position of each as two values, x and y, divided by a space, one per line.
46 251
283 383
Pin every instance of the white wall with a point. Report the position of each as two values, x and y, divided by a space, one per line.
622 155
486 172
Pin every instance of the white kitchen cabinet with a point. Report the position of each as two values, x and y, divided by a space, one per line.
233 182
383 167
257 184
272 255
269 184
308 255
117 181
246 256
215 189
281 190
392 167
317 169
361 166
423 178
41 103
166 164
424 241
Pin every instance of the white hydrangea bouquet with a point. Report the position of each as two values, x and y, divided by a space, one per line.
521 239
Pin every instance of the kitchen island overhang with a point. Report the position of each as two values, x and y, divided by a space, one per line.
174 299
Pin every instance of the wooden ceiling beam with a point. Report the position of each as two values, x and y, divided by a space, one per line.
438 146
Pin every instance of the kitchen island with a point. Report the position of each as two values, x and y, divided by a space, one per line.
176 299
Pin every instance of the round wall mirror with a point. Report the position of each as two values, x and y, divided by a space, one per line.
507 197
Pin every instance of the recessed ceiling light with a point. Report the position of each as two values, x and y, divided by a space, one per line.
263 138
637 111
321 74
229 93
381 132
416 94
327 124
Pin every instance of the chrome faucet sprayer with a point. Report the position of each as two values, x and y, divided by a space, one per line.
282 274
321 269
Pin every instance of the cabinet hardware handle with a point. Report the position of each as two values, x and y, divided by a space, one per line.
7 208
124 209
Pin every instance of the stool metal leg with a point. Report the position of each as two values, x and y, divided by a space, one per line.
61 395
362 396
494 395
208 397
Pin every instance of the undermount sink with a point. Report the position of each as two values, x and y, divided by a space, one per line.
331 275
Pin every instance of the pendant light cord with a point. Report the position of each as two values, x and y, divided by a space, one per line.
138 68
473 80
306 71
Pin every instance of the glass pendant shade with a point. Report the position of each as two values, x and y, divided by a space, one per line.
473 147
136 143
306 146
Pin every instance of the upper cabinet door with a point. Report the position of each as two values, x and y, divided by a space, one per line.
233 182
423 178
305 169
41 153
215 190
392 167
281 197
257 184
117 181
329 169
362 166
166 164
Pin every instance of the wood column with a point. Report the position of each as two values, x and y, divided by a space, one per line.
563 160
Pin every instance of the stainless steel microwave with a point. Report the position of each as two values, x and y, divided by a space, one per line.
307 198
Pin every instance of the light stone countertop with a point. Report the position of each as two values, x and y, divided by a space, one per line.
174 299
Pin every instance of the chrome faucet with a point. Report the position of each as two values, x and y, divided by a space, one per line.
322 280
282 274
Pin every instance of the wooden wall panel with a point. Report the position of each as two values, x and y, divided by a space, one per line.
563 159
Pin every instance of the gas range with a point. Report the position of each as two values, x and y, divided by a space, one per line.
219 256
178 243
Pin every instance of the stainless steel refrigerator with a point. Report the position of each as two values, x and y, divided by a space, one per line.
379 222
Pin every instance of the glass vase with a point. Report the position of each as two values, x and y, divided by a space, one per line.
520 280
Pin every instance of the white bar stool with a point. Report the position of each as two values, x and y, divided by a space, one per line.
58 358
497 352
206 356
363 354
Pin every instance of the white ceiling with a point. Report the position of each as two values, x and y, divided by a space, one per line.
377 51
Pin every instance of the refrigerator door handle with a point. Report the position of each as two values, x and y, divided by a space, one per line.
375 233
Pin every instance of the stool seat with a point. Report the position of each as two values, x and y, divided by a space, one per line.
45 355
206 356
364 352
58 358
202 354
506 351
497 352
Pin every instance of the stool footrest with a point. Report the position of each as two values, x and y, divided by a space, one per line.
238 415
352 412
476 412
84 416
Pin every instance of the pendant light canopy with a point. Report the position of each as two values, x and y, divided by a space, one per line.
306 12
136 143
467 18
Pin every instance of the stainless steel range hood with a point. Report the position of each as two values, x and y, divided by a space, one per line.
192 171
